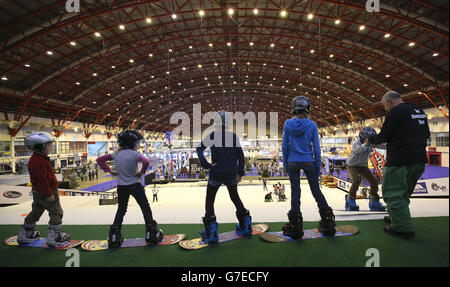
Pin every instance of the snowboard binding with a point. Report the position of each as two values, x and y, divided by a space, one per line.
327 224
115 238
56 236
375 205
27 234
294 228
350 204
210 234
153 235
244 227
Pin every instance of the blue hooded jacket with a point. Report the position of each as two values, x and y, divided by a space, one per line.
301 142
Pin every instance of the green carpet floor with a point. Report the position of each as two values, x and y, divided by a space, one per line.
429 248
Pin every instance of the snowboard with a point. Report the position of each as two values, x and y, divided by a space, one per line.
97 245
41 243
360 212
198 243
343 230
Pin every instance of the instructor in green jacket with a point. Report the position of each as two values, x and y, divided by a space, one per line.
405 130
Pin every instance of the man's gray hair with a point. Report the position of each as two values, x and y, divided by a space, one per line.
392 95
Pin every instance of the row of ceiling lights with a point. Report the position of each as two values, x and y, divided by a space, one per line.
283 13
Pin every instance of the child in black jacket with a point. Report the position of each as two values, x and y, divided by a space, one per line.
228 166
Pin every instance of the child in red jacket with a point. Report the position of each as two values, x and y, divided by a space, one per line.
45 193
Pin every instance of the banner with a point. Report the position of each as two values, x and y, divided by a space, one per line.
194 165
378 162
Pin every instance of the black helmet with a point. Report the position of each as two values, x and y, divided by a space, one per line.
224 120
128 138
366 132
300 104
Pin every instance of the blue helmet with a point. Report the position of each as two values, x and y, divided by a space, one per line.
366 132
300 104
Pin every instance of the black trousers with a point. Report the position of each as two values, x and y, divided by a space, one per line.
211 192
138 192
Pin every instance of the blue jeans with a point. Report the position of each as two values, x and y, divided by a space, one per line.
313 180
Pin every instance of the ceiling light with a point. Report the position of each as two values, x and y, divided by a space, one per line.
230 11
411 44
121 27
73 43
310 16
387 35
255 11
435 54
49 53
148 20
283 13
97 34
201 13
174 16
337 22
4 78
362 27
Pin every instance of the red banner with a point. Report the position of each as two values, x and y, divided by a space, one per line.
378 162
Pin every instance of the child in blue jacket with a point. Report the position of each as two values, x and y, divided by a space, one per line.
301 151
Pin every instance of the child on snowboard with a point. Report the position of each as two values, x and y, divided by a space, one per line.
357 168
301 151
45 193
227 168
129 183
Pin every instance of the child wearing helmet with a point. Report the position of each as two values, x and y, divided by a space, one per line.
227 167
45 193
129 183
301 151
357 168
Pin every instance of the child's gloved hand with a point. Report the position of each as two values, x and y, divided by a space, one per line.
51 198
139 174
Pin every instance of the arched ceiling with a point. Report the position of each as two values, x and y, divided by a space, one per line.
133 63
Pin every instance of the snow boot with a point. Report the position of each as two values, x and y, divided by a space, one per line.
350 204
327 224
375 205
153 235
210 234
294 228
115 238
244 227
27 234
56 236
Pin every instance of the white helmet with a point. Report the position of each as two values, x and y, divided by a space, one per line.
38 140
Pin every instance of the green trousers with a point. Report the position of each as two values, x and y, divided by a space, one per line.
398 185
